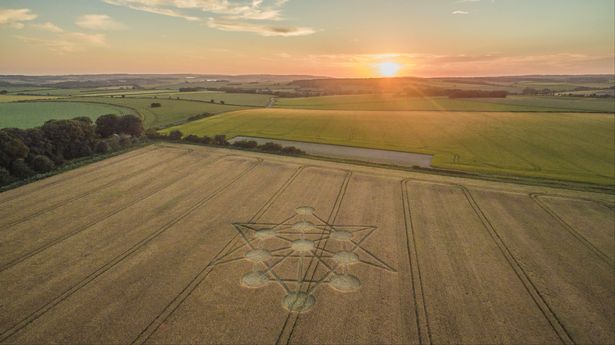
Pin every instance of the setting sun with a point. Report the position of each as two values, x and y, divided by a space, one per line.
388 69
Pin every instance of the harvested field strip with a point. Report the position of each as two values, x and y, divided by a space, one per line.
111 241
51 228
371 201
252 318
157 271
580 295
418 295
482 296
36 207
23 191
602 234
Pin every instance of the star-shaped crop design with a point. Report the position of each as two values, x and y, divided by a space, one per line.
301 254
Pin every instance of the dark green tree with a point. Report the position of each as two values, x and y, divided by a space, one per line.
175 135
132 125
5 177
20 168
42 164
11 149
107 125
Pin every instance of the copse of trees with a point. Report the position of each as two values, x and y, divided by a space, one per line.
26 152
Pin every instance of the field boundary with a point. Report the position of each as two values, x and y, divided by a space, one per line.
202 275
119 258
496 177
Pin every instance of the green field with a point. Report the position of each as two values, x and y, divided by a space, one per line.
566 146
19 98
390 102
171 111
33 114
243 99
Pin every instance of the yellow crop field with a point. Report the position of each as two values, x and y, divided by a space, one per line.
172 243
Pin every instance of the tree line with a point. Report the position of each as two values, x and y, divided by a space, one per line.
220 140
27 152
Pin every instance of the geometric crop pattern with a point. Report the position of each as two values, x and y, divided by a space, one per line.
302 254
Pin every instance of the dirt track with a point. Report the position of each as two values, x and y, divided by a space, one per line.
186 244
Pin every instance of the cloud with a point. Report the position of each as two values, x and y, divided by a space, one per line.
151 7
48 26
225 15
238 9
98 22
70 42
15 17
263 30
459 12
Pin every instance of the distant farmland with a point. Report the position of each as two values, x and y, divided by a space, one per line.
33 114
242 99
394 103
183 244
567 146
171 110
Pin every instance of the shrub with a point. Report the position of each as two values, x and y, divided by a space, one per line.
114 142
291 150
153 134
206 140
198 117
270 147
42 164
102 147
220 140
193 138
247 144
175 135
3 92
156 105
125 140
5 177
20 168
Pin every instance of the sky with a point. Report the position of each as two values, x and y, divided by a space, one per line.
337 38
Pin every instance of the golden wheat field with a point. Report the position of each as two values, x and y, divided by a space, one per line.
186 244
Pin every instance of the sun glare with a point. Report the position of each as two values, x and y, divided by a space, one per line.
388 69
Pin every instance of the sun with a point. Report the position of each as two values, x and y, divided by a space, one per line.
388 69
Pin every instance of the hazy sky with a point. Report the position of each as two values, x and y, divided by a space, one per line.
319 37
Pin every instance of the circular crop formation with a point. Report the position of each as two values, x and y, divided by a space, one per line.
298 302
258 255
303 246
